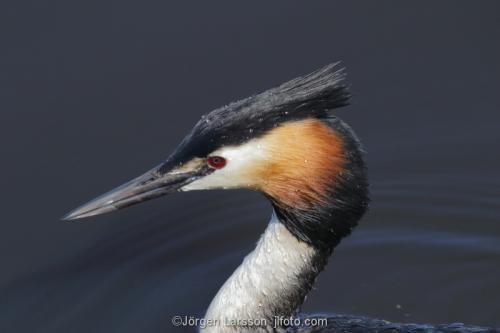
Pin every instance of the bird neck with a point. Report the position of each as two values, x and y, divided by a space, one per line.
272 282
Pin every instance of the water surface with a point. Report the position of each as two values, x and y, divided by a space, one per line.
94 93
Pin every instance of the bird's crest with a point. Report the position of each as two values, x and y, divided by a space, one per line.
312 95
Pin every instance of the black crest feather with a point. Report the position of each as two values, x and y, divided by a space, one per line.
312 95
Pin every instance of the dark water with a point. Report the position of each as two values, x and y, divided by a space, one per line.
93 93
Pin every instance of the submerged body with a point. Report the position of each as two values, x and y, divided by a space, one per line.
286 144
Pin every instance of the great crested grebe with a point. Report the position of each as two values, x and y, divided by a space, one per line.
285 143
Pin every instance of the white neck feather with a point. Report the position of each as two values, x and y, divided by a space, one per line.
272 281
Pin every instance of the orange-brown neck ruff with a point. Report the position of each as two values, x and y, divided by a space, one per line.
307 157
316 179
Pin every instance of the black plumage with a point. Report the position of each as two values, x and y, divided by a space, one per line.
312 95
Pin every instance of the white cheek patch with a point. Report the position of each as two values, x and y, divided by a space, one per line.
239 160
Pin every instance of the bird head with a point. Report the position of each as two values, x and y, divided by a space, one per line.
283 142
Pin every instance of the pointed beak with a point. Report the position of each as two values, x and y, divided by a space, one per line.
150 185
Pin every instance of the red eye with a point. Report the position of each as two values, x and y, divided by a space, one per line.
216 162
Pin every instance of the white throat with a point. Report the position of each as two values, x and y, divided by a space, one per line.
272 281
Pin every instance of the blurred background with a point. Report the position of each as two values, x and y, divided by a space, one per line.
93 93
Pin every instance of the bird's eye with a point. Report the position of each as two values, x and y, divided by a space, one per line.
216 162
